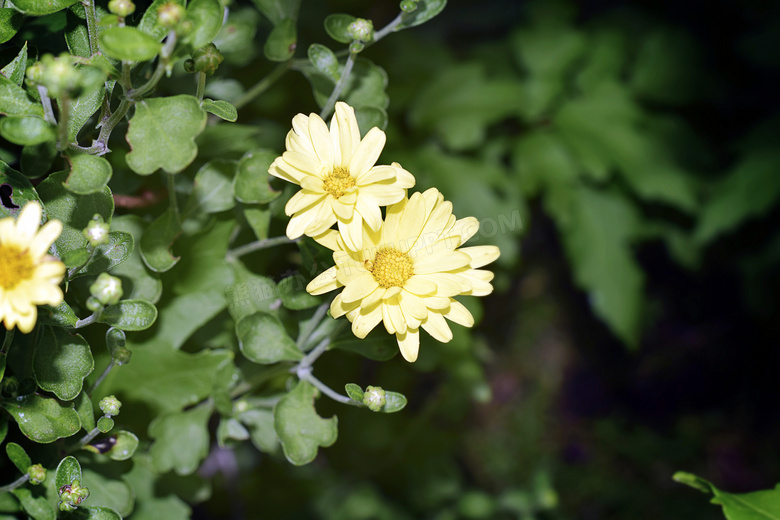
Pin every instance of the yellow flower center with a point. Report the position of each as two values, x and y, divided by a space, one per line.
338 181
391 268
15 266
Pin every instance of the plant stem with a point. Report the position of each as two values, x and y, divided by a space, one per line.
306 332
312 356
334 96
62 126
387 29
88 320
15 484
172 197
263 84
9 337
201 85
89 7
87 438
306 375
165 55
48 111
100 379
259 244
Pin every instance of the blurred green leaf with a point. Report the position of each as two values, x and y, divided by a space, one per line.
250 294
61 315
107 492
324 60
250 184
129 315
395 402
35 506
37 159
10 22
26 130
18 456
61 362
137 282
263 340
88 174
280 45
213 189
76 34
278 10
298 426
149 21
128 43
41 7
181 440
667 68
378 346
230 429
292 290
152 502
221 109
162 132
14 101
758 505
185 314
157 241
261 429
42 419
337 27
355 392
95 513
83 406
126 444
206 17
426 9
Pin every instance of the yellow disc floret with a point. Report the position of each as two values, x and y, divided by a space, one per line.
15 266
391 268
338 181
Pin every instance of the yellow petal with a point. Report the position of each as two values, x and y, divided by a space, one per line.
420 285
383 193
437 327
412 305
481 255
459 314
328 239
305 164
409 344
447 284
338 308
313 184
411 223
370 212
395 314
393 216
352 232
358 288
440 262
403 178
323 283
28 221
374 297
377 174
323 219
44 238
344 133
320 138
367 152
480 281
302 200
365 321
464 228
343 211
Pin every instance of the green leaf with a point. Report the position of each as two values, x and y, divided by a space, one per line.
42 419
261 429
280 45
324 60
35 506
88 174
10 22
221 109
292 290
185 314
250 294
250 184
395 402
157 240
75 258
107 492
758 505
230 429
298 426
162 133
172 379
129 315
41 7
337 27
128 43
181 440
355 392
206 16
213 190
21 191
16 68
95 513
263 340
76 34
278 10
378 346
109 255
68 470
137 282
259 219
74 211
82 108
148 23
18 456
207 271
152 502
26 130
83 406
125 446
37 159
14 101
61 315
426 9
61 362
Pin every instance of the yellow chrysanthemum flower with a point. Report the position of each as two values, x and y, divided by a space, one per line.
28 276
337 173
407 272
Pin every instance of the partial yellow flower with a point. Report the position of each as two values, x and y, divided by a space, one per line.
338 176
407 272
28 275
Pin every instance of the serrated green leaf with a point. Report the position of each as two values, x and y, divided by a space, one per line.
61 362
213 190
18 456
221 109
67 471
26 130
337 27
137 282
35 506
128 43
17 67
14 101
426 9
758 505
129 315
292 290
157 240
206 16
298 426
61 315
263 340
324 60
10 22
125 446
42 7
109 255
250 184
181 440
74 211
355 392
162 133
280 45
42 419
88 174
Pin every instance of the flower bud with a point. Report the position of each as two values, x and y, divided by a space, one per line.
37 474
169 15
121 7
35 74
94 304
96 231
71 495
361 30
409 6
206 59
374 398
107 289
58 75
122 356
356 47
110 405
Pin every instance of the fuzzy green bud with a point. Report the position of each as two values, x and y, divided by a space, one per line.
169 15
35 74
94 304
110 405
58 75
37 474
206 59
71 495
361 30
107 289
96 231
374 398
121 7
409 6
356 47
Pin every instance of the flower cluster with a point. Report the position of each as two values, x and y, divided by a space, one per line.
403 270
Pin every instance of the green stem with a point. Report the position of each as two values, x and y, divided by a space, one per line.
48 110
263 84
9 337
100 379
89 7
312 356
306 332
88 320
306 375
165 55
387 29
87 438
258 380
334 96
172 196
258 245
15 484
62 126
201 85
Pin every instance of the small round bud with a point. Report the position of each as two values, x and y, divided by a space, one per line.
122 356
356 47
107 289
58 75
374 398
189 66
409 6
35 74
361 30
241 406
96 231
71 495
110 405
169 15
207 59
94 304
105 424
37 474
121 7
